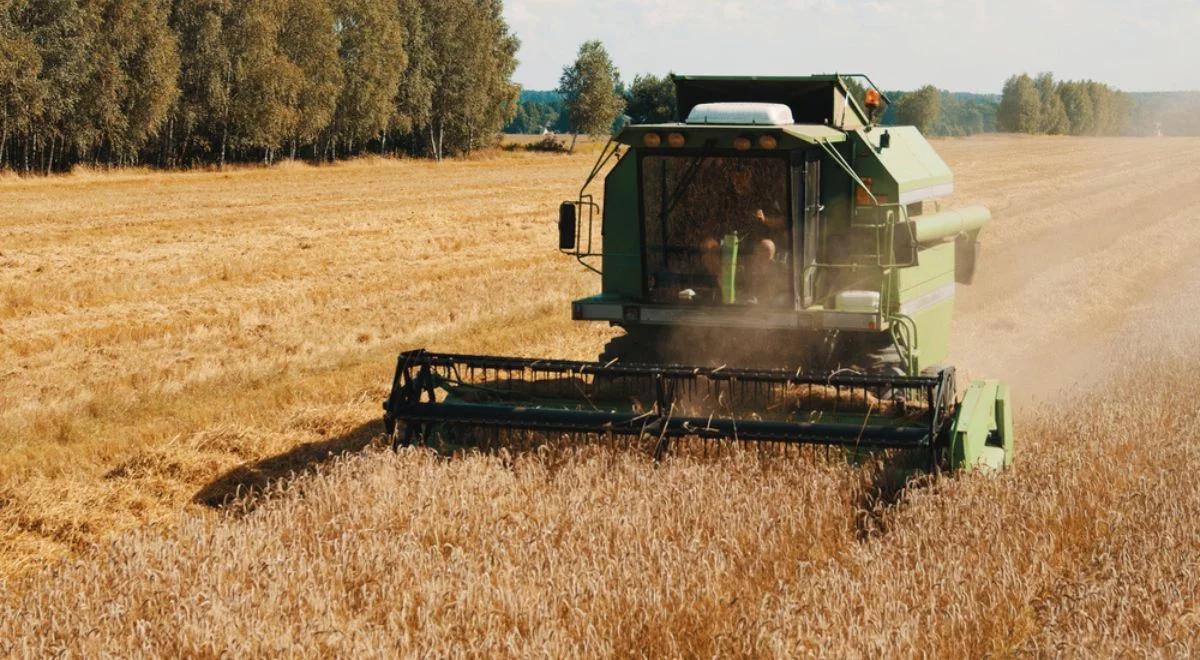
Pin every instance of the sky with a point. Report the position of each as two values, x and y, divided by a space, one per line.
963 45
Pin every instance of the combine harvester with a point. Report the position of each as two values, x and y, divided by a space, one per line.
782 273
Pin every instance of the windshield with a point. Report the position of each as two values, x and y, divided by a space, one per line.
717 229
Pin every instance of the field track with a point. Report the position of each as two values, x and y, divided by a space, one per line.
172 339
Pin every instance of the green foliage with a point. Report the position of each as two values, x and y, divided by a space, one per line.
1110 107
204 81
1077 103
62 32
263 84
959 113
130 81
1020 106
532 116
470 60
180 82
651 100
590 91
1067 107
309 43
371 50
414 97
21 89
966 114
1053 112
921 108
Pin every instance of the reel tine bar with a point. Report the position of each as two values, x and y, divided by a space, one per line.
671 401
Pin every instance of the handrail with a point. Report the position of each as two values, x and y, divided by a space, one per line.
606 154
586 200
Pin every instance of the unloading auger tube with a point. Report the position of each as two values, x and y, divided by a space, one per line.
435 394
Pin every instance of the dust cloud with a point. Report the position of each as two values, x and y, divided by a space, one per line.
1088 264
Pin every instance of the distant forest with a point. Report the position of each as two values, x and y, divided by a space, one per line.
961 113
958 113
178 83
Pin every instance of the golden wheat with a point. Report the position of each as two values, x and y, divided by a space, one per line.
1091 546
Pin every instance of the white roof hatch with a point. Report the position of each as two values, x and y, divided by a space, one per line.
761 114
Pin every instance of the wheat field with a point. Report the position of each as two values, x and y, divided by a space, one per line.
173 340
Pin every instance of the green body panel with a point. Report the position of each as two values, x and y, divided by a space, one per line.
871 178
924 293
621 272
933 335
1004 413
906 169
934 268
982 439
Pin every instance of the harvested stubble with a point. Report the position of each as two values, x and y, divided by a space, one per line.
1091 546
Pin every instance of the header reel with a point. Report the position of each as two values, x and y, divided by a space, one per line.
660 404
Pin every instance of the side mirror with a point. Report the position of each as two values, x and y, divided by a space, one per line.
567 218
966 255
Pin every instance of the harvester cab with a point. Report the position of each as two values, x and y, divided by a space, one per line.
781 270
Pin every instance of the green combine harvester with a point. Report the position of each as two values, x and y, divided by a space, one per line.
782 272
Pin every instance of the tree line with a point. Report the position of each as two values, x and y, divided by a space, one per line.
648 99
592 98
178 83
1041 105
939 112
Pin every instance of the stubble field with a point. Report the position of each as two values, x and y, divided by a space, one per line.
170 340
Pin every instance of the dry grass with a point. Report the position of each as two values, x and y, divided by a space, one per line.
142 315
172 338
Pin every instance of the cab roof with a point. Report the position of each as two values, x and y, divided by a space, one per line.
822 99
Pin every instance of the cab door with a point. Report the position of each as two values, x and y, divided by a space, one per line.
806 218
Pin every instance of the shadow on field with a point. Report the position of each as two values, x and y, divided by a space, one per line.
885 488
252 478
